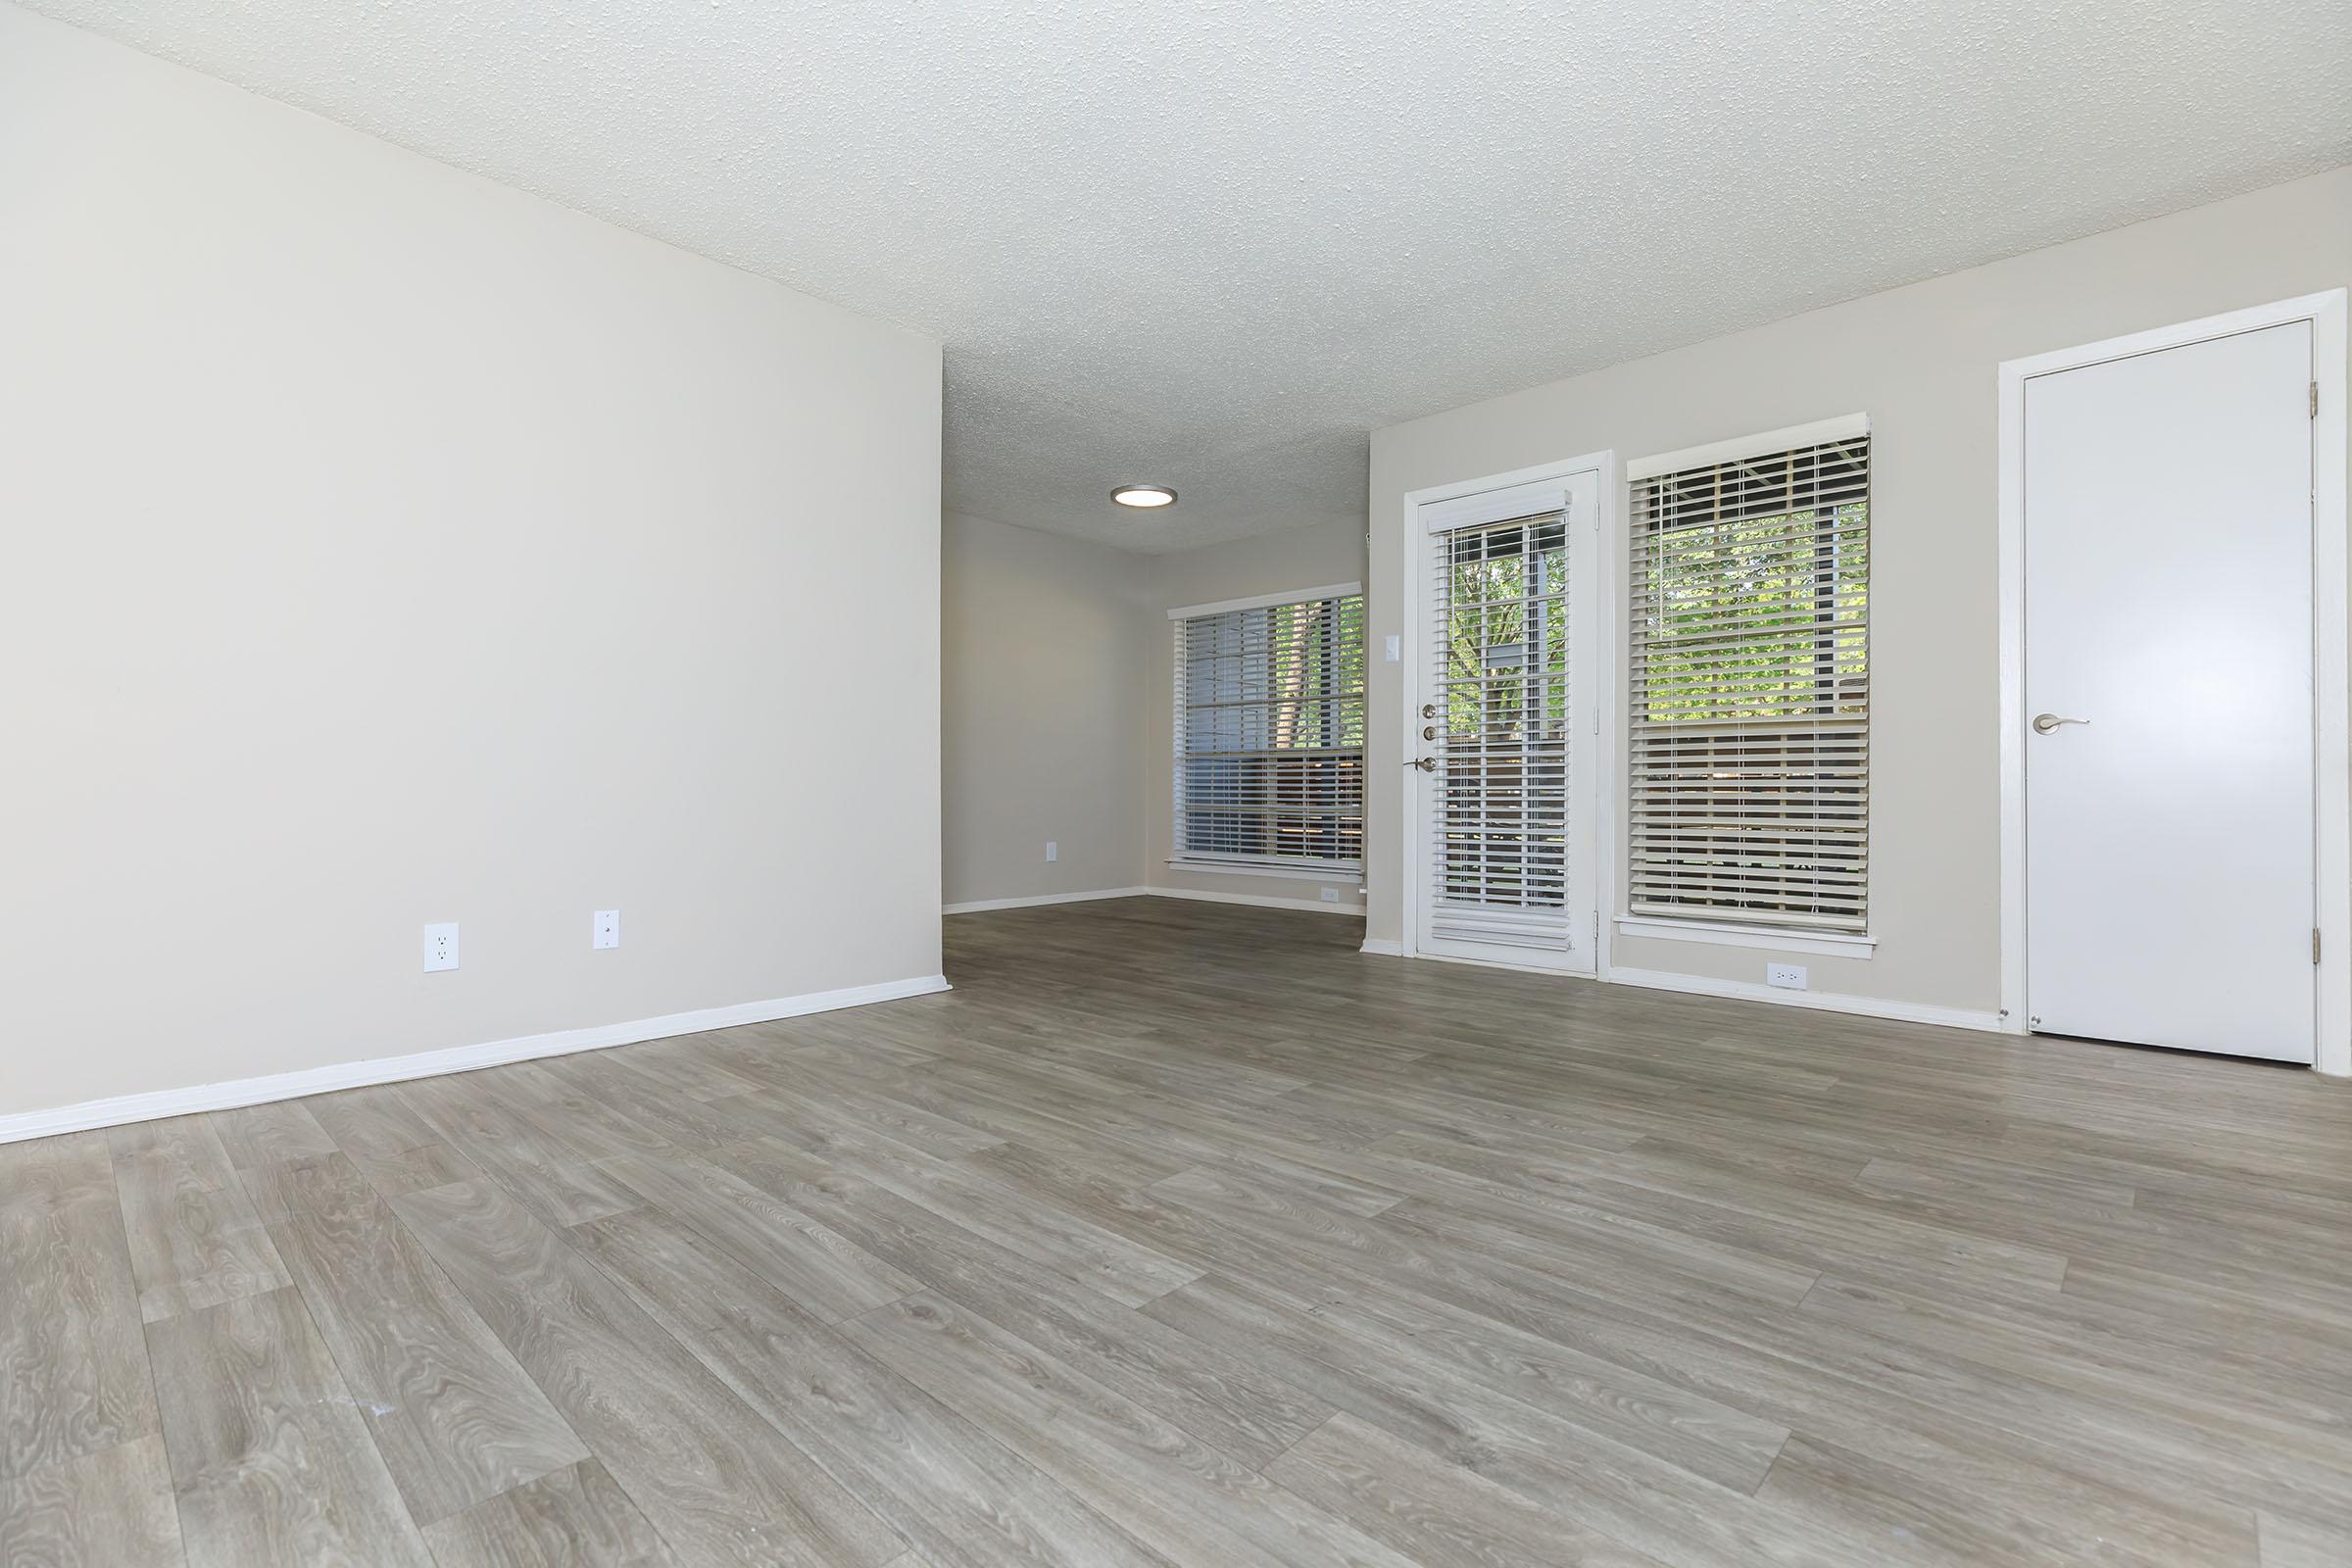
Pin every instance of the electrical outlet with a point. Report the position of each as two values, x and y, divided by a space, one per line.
1052 851
604 932
440 947
1331 895
1787 976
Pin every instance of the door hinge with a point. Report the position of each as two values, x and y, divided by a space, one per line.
2314 400
2315 944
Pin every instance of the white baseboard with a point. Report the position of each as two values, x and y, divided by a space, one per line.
978 905
148 1107
1260 900
1549 971
1821 1001
1389 950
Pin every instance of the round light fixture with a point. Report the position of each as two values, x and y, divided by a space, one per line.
1144 495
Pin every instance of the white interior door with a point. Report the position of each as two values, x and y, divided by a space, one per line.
1503 732
2170 800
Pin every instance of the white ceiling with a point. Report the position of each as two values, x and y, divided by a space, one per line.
1212 244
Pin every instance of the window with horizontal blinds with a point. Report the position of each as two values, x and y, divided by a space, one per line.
1270 765
1749 727
1498 853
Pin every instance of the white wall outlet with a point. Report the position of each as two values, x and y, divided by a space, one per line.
441 947
1787 976
1052 851
606 931
1394 648
1331 895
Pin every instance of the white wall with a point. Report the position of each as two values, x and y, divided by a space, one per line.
386 545
1276 563
1921 361
1043 656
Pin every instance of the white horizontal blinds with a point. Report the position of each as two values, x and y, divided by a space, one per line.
1499 857
1270 733
1748 797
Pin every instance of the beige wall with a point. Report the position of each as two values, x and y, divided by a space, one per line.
1042 659
1299 558
1921 361
386 545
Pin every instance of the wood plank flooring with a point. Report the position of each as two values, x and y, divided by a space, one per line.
1184 1234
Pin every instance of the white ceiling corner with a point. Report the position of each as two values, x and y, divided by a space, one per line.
1212 245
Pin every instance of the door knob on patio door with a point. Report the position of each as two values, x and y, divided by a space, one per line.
1426 764
2043 723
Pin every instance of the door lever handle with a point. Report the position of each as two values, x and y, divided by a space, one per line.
1426 764
2043 723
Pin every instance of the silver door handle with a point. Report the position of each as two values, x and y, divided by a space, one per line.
2043 723
1426 764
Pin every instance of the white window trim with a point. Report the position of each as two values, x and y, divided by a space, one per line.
1821 944
1334 871
1503 504
1296 595
1854 944
1844 427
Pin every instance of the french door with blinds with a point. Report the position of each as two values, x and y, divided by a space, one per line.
1502 750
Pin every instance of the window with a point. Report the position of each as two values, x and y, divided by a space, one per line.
1748 787
1270 732
1501 624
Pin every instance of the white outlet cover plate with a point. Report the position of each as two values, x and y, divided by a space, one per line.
441 947
605 930
1787 976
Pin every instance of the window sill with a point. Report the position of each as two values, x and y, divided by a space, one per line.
1334 871
1824 943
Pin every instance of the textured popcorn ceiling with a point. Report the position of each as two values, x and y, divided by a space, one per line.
1211 245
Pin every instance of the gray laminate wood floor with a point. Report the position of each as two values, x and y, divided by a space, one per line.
1184 1234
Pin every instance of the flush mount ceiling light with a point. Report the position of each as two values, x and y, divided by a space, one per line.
1144 495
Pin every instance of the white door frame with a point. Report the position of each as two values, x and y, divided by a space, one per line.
2332 561
1602 830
